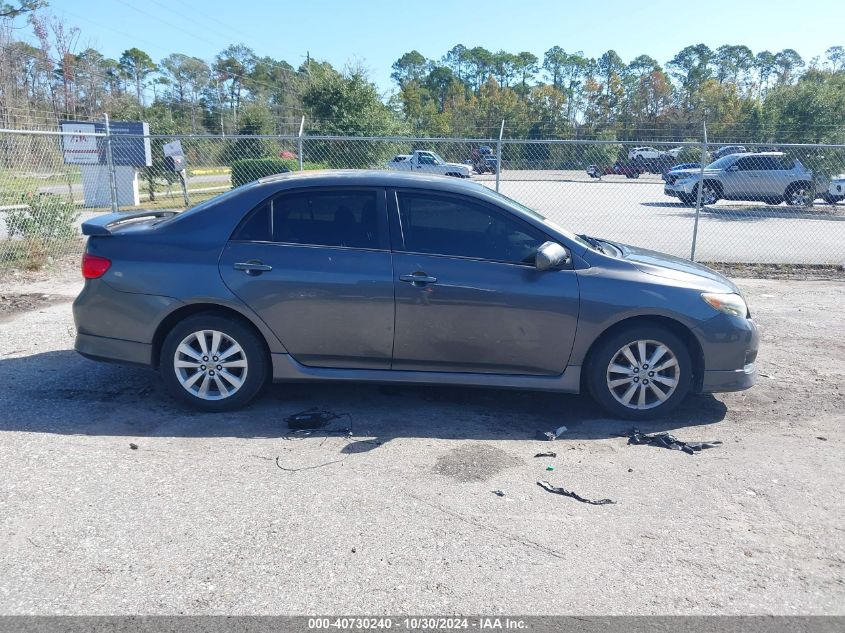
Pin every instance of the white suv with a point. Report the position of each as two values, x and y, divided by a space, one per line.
646 153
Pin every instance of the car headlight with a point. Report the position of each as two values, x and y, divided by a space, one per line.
726 303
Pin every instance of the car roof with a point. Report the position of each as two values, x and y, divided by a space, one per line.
369 178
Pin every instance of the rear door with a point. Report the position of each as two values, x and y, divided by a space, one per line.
468 297
315 265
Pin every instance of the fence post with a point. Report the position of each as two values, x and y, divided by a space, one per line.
499 155
299 142
698 193
110 162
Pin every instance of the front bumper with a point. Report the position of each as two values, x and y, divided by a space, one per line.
730 345
676 189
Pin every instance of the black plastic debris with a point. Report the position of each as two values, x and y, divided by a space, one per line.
133 446
551 435
664 440
819 437
549 454
310 419
499 493
545 485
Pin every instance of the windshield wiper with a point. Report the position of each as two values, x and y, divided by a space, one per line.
593 242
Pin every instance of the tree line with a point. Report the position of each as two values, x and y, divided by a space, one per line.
766 96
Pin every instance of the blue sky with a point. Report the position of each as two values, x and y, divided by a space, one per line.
377 32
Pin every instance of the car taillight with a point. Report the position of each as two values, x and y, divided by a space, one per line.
93 266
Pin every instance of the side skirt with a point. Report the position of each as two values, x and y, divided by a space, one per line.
286 369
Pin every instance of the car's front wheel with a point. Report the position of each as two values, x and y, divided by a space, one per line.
640 372
213 362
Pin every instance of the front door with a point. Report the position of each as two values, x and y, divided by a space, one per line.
316 267
468 297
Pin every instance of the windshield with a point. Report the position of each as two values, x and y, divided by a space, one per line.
437 159
538 216
723 162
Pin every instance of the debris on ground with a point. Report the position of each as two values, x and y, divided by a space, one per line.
310 419
134 447
664 440
550 467
552 435
545 485
294 470
499 493
823 439
549 454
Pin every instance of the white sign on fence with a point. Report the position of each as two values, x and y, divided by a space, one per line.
173 148
80 145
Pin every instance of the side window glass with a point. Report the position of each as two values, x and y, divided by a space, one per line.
426 159
744 164
327 218
463 228
256 227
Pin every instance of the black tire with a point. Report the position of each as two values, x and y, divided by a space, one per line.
687 199
831 199
714 188
773 201
253 375
799 194
453 174
598 373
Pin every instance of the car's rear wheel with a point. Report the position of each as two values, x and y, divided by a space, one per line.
687 199
213 362
640 372
799 195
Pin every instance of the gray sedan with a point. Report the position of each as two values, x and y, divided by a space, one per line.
388 277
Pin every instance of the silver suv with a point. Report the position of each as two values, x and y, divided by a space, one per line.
765 176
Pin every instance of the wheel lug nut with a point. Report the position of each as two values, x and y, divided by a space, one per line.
216 359
211 373
645 382
651 373
636 380
202 367
205 358
219 367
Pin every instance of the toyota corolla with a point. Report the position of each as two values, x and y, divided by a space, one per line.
388 277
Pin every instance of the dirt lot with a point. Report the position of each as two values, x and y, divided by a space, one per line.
401 516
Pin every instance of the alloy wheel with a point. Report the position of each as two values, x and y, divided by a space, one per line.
643 374
210 365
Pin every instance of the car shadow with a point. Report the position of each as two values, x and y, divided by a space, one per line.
754 213
60 392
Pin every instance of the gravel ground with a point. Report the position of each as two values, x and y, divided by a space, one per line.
401 516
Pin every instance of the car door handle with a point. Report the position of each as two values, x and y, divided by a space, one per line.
418 278
252 267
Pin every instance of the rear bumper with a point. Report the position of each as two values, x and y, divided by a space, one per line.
114 350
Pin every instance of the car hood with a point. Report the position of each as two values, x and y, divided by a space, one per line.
457 165
677 269
695 171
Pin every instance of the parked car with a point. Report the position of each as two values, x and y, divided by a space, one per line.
727 150
835 190
767 176
643 152
483 160
429 163
671 174
617 169
674 152
377 276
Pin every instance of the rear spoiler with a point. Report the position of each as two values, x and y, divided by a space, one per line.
103 224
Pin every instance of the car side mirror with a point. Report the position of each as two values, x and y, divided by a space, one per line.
550 255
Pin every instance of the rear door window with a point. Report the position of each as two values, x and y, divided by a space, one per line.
340 218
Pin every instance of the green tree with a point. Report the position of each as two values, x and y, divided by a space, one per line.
136 65
410 67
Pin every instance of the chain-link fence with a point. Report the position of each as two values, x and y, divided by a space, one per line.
757 204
